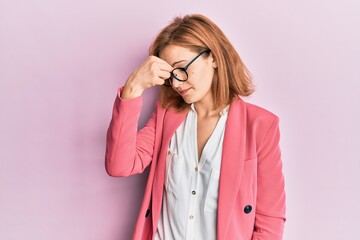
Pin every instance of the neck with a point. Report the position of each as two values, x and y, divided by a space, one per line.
206 108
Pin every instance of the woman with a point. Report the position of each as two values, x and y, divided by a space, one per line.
215 161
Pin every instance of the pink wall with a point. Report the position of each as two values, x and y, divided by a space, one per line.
62 61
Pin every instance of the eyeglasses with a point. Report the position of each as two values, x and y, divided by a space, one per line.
181 74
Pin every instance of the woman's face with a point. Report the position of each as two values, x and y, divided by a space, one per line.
200 73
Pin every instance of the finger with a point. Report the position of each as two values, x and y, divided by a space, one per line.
158 81
164 74
164 65
166 68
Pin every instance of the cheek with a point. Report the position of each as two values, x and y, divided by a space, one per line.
202 79
207 78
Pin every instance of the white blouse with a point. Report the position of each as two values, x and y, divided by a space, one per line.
189 207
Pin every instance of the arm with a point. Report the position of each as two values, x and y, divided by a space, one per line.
128 151
270 211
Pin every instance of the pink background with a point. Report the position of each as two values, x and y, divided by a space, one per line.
61 63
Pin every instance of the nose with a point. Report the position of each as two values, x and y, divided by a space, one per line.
176 83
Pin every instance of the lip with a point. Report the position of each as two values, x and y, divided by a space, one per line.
184 92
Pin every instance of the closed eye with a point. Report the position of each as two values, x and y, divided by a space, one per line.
175 63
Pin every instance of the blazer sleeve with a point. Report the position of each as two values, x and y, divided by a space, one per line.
128 151
270 204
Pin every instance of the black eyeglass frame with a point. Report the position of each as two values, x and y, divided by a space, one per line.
172 75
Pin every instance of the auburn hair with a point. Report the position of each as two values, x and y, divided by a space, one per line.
197 33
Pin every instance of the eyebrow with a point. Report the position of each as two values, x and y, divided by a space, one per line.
177 62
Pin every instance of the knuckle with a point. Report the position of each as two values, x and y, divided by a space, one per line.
153 59
153 76
152 66
149 60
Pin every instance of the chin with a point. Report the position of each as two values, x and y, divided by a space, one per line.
187 99
190 100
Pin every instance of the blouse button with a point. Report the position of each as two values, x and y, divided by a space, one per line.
193 192
196 169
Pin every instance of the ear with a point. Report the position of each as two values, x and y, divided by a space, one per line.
214 65
213 62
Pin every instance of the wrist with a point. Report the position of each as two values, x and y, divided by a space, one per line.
131 91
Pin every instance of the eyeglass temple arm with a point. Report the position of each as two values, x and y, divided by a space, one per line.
187 65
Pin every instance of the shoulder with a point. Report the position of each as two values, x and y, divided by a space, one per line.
252 110
256 111
256 116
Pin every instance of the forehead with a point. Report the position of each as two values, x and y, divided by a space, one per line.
172 53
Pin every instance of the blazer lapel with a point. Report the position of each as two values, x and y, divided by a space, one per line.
231 164
172 121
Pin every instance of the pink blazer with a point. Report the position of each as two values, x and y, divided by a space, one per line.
251 202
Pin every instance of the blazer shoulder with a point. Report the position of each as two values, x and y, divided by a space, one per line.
260 121
257 111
